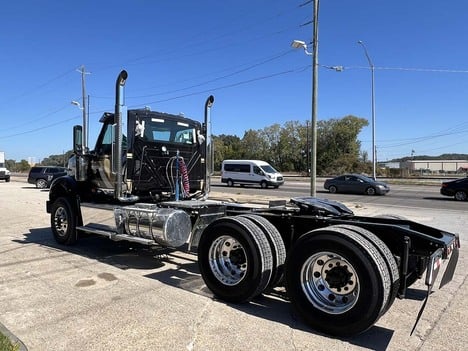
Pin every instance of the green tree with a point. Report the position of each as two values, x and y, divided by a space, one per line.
10 165
57 160
23 166
271 137
225 147
254 146
338 146
292 144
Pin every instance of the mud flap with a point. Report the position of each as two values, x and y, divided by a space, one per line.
433 268
450 270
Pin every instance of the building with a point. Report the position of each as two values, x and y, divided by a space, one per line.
436 166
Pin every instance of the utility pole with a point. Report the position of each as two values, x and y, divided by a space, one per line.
374 150
308 149
84 108
313 170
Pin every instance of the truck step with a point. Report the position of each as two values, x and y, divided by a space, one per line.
115 236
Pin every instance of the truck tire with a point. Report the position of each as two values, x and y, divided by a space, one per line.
337 281
387 256
277 247
41 184
235 259
63 222
7 179
230 183
263 184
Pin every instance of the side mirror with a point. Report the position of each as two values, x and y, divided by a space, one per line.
78 139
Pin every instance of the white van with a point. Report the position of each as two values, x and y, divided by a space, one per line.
250 172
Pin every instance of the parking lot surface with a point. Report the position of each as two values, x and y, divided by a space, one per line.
104 295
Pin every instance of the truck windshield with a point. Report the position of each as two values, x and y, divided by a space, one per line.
167 130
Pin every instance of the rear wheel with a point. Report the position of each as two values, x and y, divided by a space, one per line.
387 256
277 247
235 259
337 281
63 222
41 184
230 182
460 195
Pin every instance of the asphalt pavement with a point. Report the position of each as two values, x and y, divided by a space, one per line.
104 295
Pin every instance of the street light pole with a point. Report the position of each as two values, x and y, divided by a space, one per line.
371 65
300 44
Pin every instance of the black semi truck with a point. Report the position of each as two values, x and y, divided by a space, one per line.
150 185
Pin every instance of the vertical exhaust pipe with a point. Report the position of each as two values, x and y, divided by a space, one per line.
117 138
208 145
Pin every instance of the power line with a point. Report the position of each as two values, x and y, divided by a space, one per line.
38 129
342 68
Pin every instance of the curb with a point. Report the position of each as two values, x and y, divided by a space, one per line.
14 340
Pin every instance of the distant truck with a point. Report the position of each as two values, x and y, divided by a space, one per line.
4 173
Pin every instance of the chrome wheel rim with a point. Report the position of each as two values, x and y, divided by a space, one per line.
228 260
61 221
330 282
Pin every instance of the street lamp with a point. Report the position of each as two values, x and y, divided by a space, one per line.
371 65
297 44
76 103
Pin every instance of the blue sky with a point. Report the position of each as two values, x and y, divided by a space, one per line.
179 52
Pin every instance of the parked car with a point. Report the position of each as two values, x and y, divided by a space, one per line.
42 176
356 183
457 188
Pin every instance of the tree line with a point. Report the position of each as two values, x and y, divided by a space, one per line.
288 147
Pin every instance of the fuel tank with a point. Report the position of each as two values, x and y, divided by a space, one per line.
166 226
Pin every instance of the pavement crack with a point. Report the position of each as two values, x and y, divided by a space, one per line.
197 323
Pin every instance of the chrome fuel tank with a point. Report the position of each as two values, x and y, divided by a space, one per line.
166 226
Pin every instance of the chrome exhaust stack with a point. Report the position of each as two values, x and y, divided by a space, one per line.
208 146
117 140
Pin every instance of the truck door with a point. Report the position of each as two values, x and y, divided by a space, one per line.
101 162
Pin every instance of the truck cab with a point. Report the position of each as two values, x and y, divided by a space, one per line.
156 149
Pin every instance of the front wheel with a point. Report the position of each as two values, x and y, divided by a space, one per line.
370 191
332 189
63 221
337 281
263 184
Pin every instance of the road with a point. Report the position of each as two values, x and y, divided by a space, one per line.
104 295
419 196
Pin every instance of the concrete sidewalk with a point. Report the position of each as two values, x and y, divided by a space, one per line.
103 295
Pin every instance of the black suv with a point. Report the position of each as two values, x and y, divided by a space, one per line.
43 176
